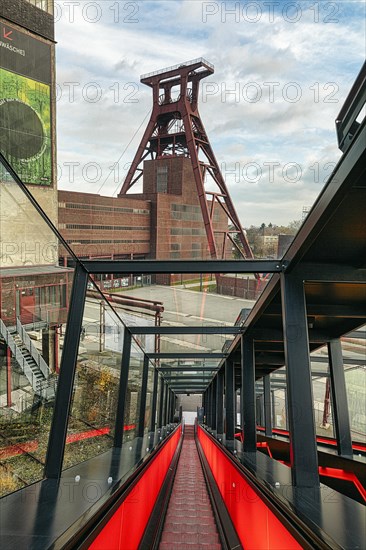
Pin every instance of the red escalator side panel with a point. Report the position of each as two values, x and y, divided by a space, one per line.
256 525
126 527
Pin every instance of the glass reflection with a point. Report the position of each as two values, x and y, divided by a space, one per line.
35 298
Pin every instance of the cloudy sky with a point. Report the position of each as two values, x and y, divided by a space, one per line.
282 72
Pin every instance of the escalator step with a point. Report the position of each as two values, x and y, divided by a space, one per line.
190 546
189 522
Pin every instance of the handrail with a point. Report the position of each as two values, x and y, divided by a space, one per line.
37 356
82 533
18 355
174 67
308 536
346 123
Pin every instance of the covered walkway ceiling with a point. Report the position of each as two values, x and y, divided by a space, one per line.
328 255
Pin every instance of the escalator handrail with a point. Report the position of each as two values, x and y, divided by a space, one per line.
81 534
152 535
309 537
228 535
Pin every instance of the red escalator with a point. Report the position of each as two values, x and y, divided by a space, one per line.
189 519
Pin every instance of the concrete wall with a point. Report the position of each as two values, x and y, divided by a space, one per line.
25 238
189 403
26 15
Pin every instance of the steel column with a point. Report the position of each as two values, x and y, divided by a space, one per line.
165 399
267 406
214 403
57 438
273 408
209 410
229 400
166 404
173 407
154 401
161 403
204 405
303 449
122 391
220 402
211 405
339 399
248 403
145 374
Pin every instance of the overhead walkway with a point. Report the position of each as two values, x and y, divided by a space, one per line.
111 490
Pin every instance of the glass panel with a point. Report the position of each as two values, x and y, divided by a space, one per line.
324 422
133 392
92 415
354 353
280 413
183 300
35 294
278 384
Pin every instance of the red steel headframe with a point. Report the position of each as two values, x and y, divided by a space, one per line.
176 129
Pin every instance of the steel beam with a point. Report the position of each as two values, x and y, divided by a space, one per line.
229 400
303 450
187 380
122 391
188 355
318 271
276 335
339 399
184 330
141 267
58 431
188 389
185 369
354 311
248 416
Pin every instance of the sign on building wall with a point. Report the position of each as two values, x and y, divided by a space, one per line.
25 104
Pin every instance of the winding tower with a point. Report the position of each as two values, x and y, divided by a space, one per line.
175 129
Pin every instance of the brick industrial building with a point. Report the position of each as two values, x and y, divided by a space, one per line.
163 222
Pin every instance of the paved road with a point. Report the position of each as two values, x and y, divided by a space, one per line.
182 307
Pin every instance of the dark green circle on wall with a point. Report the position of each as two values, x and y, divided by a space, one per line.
21 130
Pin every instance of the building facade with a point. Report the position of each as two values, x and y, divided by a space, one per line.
163 222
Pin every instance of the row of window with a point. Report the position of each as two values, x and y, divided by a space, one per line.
186 216
177 255
186 208
188 212
104 227
99 208
104 241
176 246
187 231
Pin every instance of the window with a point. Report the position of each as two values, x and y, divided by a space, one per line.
162 179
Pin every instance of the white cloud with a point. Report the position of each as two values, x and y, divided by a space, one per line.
280 58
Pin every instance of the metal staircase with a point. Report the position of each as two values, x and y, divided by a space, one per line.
29 359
